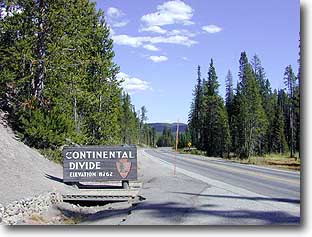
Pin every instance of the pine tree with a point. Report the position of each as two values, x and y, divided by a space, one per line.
16 54
297 102
154 135
143 119
166 139
251 120
243 62
229 96
279 143
195 115
128 121
215 132
290 83
267 100
229 103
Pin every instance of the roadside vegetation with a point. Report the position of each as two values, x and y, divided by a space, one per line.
58 79
274 160
253 124
282 161
252 120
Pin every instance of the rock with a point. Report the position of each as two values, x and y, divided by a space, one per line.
17 211
1 209
19 217
12 212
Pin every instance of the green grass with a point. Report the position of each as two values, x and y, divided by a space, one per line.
192 152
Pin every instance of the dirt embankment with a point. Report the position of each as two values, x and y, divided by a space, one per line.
25 174
24 171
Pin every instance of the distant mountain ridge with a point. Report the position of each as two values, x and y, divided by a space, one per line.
173 127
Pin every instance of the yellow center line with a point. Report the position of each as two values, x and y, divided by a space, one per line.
240 170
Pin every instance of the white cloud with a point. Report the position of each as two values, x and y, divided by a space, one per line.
185 59
114 12
138 41
212 29
171 12
132 84
128 40
177 39
159 30
158 59
120 23
154 29
182 32
150 47
116 17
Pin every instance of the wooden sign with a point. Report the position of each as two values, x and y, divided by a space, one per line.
99 163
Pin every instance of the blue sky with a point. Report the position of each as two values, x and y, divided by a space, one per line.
158 45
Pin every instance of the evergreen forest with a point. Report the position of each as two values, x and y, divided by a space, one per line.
252 119
58 79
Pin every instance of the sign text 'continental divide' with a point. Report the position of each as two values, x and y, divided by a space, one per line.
69 155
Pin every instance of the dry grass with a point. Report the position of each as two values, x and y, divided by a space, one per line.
281 161
72 220
38 219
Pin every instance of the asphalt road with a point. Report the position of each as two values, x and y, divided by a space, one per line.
207 191
277 184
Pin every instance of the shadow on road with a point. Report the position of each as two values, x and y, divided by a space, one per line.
174 213
173 210
287 200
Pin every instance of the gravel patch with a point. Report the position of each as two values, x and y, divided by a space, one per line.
18 212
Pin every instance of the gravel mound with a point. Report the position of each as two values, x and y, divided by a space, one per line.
24 172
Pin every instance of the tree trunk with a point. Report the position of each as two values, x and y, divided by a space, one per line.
75 114
40 53
291 131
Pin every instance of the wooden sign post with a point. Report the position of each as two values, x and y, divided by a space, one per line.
176 148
